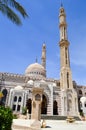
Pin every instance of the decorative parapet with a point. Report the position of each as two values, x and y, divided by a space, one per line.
13 77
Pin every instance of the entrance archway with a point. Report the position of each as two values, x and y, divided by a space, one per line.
55 108
29 105
44 105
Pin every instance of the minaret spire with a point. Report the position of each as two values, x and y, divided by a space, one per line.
62 24
61 4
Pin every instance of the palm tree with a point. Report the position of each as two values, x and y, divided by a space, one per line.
7 7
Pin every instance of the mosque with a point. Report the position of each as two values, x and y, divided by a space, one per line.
60 97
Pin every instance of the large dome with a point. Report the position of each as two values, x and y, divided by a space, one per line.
35 70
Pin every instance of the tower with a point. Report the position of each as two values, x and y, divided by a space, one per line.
43 58
68 93
66 76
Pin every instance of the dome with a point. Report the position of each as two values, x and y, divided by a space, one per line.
18 87
42 81
35 70
83 99
54 84
30 82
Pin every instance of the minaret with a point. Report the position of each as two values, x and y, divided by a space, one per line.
68 93
66 76
43 58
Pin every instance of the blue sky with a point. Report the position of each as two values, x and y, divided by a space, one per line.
19 46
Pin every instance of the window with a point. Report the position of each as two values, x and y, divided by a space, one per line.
18 108
15 98
64 32
85 104
19 100
67 79
14 107
66 54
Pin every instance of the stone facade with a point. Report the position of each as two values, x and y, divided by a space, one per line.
60 97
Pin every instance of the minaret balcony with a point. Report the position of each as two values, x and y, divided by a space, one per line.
64 42
62 24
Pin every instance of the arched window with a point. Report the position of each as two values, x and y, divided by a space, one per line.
14 107
19 100
15 98
67 79
66 54
64 32
18 108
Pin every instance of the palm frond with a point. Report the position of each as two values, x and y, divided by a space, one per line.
15 5
10 14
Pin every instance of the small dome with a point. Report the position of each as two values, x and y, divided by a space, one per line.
18 87
83 99
30 82
35 70
54 84
42 81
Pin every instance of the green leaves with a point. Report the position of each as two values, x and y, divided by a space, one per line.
10 14
6 118
7 8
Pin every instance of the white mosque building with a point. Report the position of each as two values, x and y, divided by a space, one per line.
60 97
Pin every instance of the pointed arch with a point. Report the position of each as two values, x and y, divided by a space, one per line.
44 105
55 107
